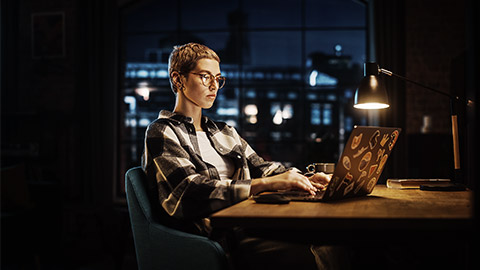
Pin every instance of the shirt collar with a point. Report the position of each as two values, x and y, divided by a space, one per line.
175 117
178 118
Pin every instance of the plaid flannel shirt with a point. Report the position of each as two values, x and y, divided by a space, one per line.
189 189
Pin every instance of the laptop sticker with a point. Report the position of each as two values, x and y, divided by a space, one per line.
346 180
372 169
384 140
371 184
364 162
346 163
382 163
361 181
356 140
374 139
349 188
394 137
380 154
360 151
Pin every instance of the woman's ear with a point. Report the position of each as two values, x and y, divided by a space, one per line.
177 80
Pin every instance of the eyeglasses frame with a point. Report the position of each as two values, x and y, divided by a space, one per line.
217 79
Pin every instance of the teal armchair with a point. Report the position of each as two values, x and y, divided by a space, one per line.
161 247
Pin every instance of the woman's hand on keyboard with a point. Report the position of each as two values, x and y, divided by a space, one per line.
285 181
320 180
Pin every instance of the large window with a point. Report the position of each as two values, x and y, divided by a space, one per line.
291 68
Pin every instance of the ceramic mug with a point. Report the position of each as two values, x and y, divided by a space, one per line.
327 168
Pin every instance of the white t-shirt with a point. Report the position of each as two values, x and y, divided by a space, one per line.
224 165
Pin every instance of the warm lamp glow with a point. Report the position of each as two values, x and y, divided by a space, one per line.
371 106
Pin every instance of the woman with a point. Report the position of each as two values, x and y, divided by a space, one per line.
197 166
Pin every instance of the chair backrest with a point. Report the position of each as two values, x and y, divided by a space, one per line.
161 247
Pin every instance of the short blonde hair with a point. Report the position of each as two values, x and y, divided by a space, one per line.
184 58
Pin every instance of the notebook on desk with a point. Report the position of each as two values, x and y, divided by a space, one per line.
359 167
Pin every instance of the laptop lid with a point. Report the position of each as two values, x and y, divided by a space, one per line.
362 161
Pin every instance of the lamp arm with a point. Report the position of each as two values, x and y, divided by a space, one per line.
467 102
456 147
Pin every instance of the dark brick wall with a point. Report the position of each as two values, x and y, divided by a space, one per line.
434 38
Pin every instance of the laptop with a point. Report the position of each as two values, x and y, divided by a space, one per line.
359 167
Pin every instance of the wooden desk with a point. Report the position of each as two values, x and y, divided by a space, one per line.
384 213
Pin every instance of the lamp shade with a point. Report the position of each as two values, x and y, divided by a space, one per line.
371 93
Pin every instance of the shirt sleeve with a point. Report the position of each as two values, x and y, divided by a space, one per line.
185 191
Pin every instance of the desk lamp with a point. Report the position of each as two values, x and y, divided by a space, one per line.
371 94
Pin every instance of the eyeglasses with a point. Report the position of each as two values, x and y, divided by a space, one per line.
208 78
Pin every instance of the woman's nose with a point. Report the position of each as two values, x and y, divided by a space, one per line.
213 85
